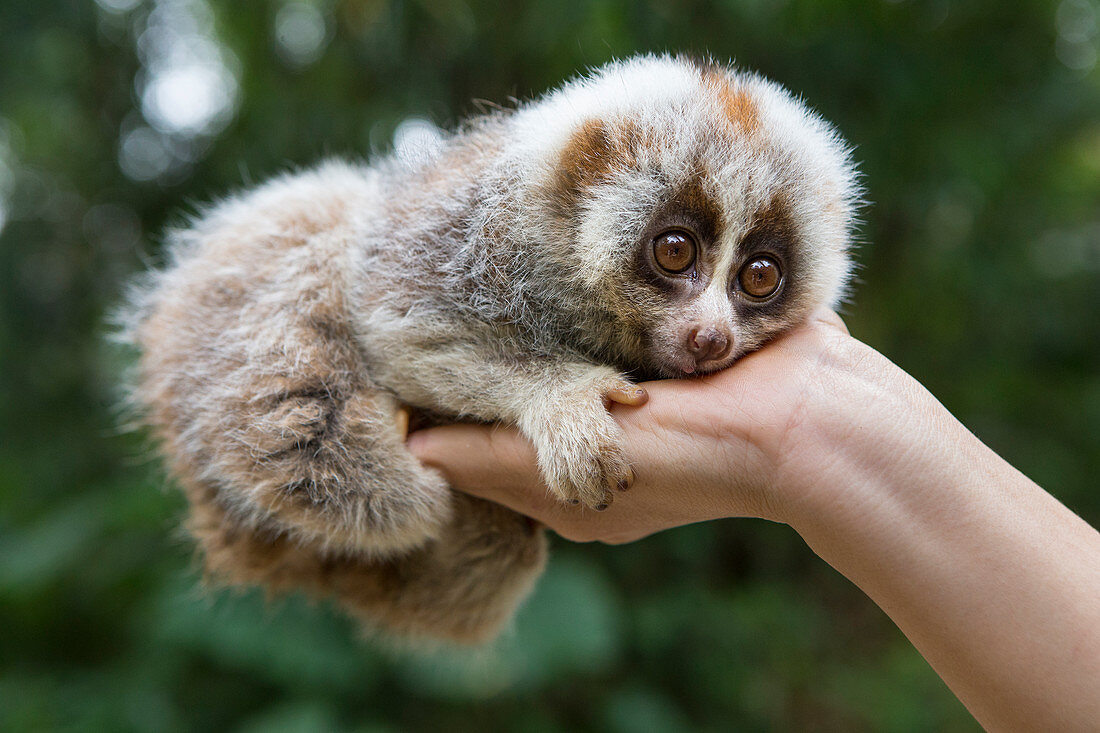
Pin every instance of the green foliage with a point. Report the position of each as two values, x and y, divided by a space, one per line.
976 123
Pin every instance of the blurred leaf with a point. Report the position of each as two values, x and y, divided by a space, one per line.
569 626
280 641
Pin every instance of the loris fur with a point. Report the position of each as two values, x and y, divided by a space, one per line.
519 271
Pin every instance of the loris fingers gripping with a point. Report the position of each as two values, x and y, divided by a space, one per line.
658 218
579 445
560 404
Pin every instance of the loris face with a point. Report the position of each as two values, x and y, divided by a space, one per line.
706 212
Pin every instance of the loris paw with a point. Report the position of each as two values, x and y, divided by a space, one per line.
579 444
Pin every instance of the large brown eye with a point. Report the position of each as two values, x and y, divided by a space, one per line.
674 251
760 277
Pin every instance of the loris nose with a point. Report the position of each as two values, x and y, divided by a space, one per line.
707 344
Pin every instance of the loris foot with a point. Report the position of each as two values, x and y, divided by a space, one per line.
579 444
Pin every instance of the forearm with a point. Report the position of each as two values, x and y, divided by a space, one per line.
992 579
471 370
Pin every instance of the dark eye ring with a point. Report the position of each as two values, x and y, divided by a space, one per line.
760 277
674 251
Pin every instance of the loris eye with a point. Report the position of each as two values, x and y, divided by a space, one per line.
760 277
674 251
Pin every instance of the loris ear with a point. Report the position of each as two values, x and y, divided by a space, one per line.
594 154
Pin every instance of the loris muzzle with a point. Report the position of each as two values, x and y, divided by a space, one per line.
657 218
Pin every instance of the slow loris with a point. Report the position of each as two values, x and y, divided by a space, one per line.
657 218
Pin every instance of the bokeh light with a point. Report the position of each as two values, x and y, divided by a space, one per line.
7 175
301 33
118 6
187 87
1076 45
417 140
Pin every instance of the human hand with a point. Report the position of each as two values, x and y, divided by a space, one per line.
703 448
992 579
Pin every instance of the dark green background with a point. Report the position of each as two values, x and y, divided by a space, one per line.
980 276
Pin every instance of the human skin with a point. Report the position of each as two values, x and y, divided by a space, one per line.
993 580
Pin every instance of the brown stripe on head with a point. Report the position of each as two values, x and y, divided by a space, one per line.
735 101
694 201
775 218
593 154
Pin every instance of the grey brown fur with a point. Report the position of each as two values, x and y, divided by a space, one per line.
505 276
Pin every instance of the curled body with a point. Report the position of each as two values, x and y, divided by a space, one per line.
658 218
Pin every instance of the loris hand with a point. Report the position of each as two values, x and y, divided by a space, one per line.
994 581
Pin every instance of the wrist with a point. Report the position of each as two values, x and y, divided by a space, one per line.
861 430
989 576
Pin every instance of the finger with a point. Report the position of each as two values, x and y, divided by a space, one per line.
830 318
491 462
635 396
401 417
473 455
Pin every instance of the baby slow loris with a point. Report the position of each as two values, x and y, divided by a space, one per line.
658 218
